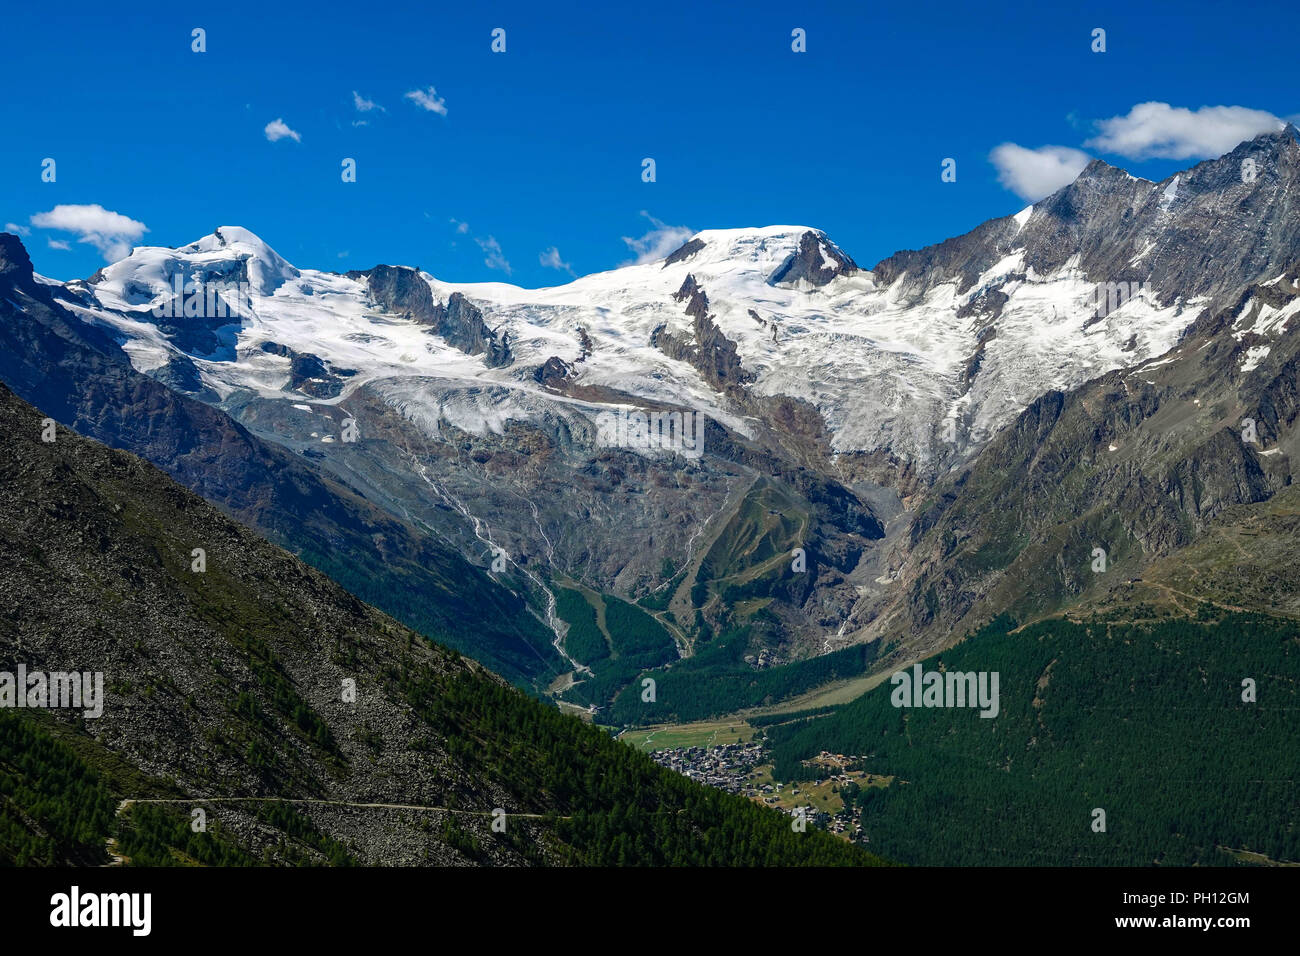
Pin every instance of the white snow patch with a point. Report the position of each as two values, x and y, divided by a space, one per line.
1170 192
1250 361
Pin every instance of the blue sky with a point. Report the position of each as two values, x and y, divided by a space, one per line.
540 148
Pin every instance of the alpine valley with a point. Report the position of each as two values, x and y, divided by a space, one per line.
891 460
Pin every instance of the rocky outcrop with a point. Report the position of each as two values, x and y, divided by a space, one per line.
403 292
310 374
553 372
460 323
684 252
976 359
816 263
400 291
181 374
710 352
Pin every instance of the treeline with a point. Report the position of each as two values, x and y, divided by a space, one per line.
717 681
1144 721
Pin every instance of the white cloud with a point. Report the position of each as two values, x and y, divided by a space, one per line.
661 240
277 130
1034 173
551 260
364 105
495 258
1160 131
60 244
110 232
428 100
16 229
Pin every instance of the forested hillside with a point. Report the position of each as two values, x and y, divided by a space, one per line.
1142 719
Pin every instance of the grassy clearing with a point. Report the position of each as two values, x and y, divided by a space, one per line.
704 734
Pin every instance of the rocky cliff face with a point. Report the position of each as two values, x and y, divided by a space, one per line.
403 292
308 373
400 291
461 324
816 263
708 351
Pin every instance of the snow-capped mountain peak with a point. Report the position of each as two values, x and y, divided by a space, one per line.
921 358
231 256
267 268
